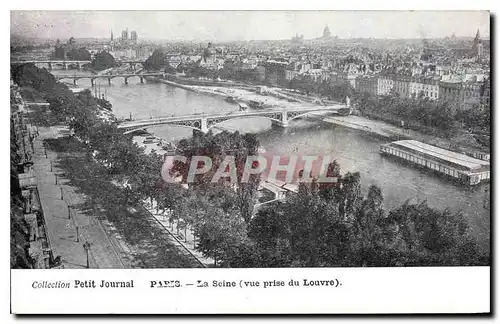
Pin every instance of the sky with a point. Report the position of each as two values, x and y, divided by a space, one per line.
249 25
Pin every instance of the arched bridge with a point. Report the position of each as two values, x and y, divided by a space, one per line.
204 122
50 63
109 77
78 63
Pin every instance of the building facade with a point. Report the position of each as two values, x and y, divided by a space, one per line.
367 84
276 72
125 35
428 87
385 85
472 93
451 91
401 85
133 36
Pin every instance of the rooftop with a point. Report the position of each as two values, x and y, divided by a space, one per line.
453 157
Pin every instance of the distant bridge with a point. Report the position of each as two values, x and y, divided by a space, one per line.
92 78
204 122
50 63
78 63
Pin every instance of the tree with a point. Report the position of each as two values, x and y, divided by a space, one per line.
28 75
169 68
219 231
81 54
270 234
426 236
59 52
368 227
156 60
103 60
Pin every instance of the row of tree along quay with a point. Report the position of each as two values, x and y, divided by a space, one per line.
443 119
323 225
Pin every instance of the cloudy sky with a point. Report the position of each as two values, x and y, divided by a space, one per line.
248 25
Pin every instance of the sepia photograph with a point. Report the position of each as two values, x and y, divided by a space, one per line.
248 139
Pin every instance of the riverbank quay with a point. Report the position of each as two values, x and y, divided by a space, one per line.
207 83
245 95
69 225
394 133
114 229
57 227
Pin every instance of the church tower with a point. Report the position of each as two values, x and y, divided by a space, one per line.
477 47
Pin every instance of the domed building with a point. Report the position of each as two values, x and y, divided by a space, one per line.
209 54
326 32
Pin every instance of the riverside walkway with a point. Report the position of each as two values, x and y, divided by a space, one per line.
68 226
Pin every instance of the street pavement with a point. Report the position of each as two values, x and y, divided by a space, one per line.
69 228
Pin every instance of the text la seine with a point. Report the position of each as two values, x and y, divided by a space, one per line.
244 284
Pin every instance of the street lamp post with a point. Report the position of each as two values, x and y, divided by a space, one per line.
86 246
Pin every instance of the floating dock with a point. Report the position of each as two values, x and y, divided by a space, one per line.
455 165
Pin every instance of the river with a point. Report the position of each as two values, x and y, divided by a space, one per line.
353 149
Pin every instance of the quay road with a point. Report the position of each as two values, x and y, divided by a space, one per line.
204 122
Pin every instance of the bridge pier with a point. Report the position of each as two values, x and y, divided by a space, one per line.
284 120
74 81
280 124
50 66
92 81
204 126
64 66
78 66
142 79
126 80
109 81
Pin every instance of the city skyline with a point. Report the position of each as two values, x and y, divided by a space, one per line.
247 25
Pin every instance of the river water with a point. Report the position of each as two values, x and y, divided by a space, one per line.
353 149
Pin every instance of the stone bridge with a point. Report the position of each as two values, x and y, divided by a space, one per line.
50 63
78 63
107 76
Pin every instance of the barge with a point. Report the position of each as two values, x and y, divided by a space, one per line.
230 99
256 104
243 106
458 166
344 111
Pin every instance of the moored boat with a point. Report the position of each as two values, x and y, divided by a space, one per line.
458 166
256 104
231 99
243 106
